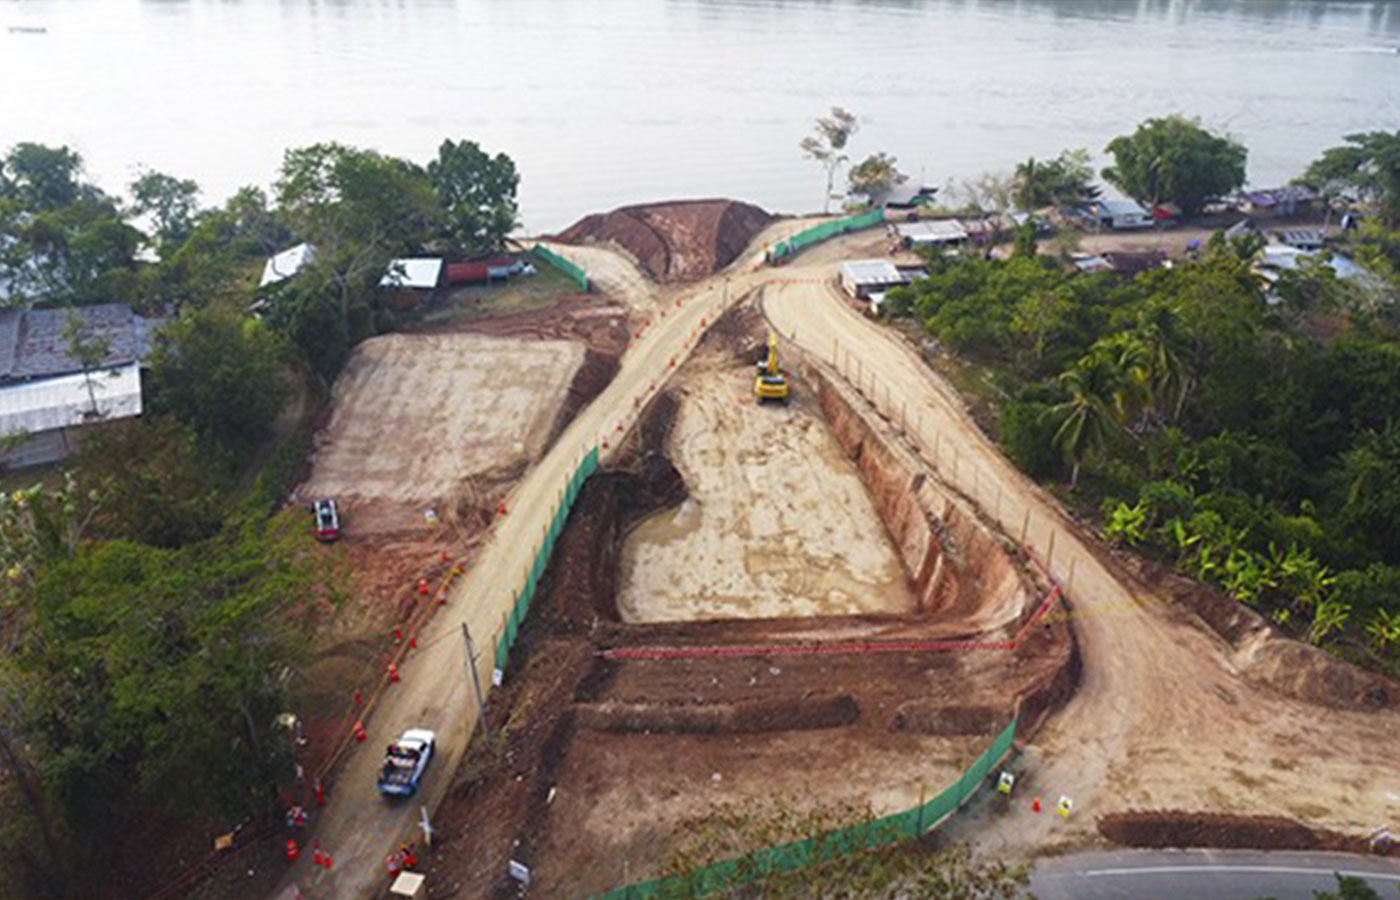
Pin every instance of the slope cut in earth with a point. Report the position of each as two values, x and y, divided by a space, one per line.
1168 715
683 240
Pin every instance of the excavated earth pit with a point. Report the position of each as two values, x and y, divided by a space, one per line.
622 724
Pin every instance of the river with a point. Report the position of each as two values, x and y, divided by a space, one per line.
606 102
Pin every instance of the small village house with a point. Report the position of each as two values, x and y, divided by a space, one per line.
1119 215
1279 203
414 281
862 278
284 265
933 233
46 399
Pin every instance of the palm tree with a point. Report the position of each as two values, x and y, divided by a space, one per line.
1164 351
1087 419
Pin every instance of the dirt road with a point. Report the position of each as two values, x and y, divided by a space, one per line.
1163 718
358 827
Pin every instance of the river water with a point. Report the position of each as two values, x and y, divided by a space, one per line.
606 102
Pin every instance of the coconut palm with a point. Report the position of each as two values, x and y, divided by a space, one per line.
1086 420
1164 352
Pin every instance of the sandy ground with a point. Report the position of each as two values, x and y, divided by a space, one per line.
414 415
777 524
1166 716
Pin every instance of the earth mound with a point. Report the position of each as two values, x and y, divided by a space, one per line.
683 240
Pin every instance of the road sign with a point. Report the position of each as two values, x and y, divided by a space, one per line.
519 871
1064 807
1006 782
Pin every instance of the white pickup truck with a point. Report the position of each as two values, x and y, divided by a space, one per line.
405 761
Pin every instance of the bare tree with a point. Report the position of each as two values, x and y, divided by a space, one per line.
826 145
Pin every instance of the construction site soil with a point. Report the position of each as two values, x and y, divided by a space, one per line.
387 543
683 240
1221 831
595 763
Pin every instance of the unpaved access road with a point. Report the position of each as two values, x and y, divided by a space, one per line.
1163 718
359 828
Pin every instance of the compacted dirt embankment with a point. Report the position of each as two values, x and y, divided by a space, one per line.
596 765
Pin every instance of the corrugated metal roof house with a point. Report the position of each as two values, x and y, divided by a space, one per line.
287 263
43 390
864 277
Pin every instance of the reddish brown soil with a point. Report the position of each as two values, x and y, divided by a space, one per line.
684 240
587 728
1183 829
1266 657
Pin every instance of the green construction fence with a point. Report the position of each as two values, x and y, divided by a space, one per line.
573 270
901 826
586 468
825 231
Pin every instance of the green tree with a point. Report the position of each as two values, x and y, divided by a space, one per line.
89 349
477 192
157 487
172 204
1066 180
1369 164
875 176
361 210
1175 159
1349 887
218 372
40 177
828 144
1086 421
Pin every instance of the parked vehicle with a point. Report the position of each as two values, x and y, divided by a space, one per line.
405 761
327 520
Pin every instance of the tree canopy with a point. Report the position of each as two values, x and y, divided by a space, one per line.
1174 159
1368 164
477 193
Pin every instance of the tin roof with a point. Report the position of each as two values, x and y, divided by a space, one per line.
872 271
937 231
287 263
421 272
32 344
64 401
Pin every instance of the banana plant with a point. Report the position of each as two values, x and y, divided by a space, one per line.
1384 628
1328 616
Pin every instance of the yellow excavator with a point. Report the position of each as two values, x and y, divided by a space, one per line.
771 383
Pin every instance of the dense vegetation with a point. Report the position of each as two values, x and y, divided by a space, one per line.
156 599
1247 433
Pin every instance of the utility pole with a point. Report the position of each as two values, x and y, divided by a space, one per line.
476 679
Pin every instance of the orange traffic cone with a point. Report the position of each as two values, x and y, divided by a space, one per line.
442 597
320 794
501 509
413 643
358 698
393 673
292 852
1035 807
359 731
422 586
327 862
398 635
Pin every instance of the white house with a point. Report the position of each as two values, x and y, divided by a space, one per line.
932 233
1121 215
45 396
287 263
862 278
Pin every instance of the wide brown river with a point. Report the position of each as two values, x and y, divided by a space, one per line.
604 102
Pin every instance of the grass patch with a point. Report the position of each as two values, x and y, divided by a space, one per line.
521 294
